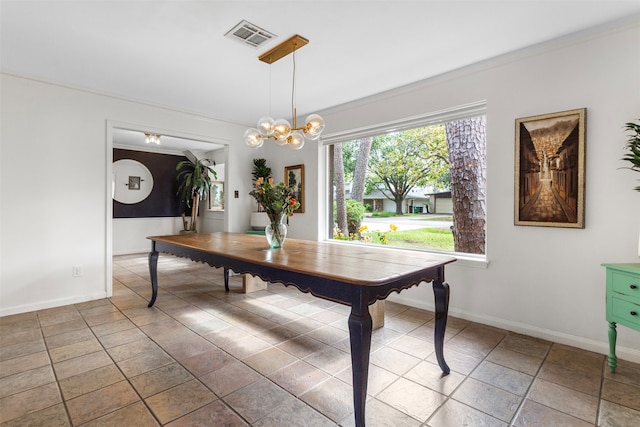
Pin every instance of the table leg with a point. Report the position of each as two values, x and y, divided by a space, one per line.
153 273
441 294
226 279
360 326
613 335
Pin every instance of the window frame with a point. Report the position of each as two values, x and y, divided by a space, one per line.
474 109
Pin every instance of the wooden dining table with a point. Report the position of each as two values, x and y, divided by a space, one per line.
356 275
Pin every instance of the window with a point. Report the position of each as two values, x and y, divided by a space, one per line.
418 183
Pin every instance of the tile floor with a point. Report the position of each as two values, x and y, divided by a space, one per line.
281 358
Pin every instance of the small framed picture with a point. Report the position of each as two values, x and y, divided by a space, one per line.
549 169
294 177
216 196
134 183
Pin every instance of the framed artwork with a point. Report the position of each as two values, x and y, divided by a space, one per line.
549 169
134 183
216 196
294 177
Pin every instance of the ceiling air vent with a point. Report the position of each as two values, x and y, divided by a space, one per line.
249 34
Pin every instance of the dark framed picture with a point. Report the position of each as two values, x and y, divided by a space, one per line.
294 177
134 183
549 169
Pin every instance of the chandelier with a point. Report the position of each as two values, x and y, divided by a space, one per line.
152 138
280 130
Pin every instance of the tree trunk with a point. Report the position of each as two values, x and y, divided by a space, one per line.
467 159
360 173
341 207
194 212
398 201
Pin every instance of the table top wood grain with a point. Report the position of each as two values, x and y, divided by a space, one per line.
363 265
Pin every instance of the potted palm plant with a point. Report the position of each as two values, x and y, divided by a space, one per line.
195 179
633 147
260 219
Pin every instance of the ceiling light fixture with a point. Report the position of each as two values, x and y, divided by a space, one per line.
280 130
152 138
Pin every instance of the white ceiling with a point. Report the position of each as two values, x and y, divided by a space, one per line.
174 53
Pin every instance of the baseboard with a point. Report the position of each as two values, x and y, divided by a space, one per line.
623 353
43 305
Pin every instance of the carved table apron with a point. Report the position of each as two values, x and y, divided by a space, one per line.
355 275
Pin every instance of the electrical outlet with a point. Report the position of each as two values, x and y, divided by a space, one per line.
77 270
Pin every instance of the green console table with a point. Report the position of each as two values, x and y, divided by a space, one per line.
623 302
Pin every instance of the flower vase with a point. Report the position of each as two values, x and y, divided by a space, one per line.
276 231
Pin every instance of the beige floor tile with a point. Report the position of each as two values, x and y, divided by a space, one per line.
70 351
161 379
502 377
576 359
200 356
206 362
379 379
29 401
378 414
412 399
515 360
257 400
572 402
17 336
626 372
294 413
572 378
78 365
144 362
26 380
23 363
89 381
533 414
393 360
270 360
112 327
132 349
301 346
20 349
100 402
614 415
69 338
332 398
179 400
430 375
529 346
621 393
299 377
214 414
455 414
230 378
489 399
330 360
413 346
52 416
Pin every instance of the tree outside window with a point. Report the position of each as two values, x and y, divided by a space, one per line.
400 174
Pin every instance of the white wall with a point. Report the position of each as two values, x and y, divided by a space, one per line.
545 282
54 212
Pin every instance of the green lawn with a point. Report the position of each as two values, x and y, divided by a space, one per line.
440 239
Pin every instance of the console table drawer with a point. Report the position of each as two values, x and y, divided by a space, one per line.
625 311
626 284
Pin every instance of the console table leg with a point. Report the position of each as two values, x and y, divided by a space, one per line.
613 335
360 325
153 273
226 279
441 294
